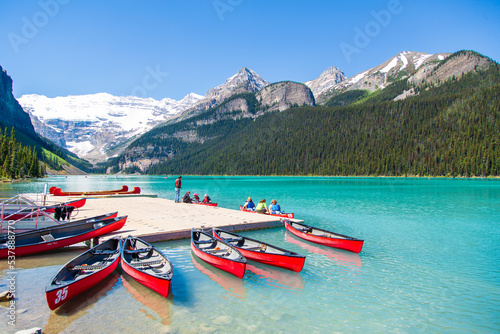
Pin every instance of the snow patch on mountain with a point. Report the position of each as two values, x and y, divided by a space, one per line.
390 66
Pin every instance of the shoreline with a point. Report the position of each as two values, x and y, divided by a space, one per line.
327 176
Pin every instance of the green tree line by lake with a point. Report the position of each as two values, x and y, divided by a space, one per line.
17 161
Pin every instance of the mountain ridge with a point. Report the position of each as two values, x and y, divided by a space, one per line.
217 131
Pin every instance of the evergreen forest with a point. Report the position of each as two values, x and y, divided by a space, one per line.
18 161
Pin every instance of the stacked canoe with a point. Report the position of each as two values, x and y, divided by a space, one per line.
124 190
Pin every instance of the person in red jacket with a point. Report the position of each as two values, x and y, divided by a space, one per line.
178 188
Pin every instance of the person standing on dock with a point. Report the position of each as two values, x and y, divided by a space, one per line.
178 190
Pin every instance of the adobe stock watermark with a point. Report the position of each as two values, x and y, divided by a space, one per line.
150 81
364 36
31 26
223 6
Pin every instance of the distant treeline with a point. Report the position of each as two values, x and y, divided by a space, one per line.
17 161
450 128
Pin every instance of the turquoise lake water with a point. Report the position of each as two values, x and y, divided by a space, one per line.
430 263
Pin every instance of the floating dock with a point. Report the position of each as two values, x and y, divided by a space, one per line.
158 219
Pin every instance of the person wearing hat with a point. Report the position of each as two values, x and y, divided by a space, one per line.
196 198
178 190
207 199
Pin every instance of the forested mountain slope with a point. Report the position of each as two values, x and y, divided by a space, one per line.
449 128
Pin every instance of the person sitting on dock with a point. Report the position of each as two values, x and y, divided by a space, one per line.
207 199
196 198
274 208
249 205
187 198
261 207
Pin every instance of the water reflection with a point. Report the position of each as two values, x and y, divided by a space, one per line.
234 286
79 306
46 259
341 257
277 277
150 299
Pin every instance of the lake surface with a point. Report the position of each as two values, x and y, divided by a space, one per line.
430 263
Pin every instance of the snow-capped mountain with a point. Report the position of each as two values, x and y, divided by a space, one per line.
329 78
245 80
90 125
402 65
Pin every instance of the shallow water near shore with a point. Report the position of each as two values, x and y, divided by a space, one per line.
430 263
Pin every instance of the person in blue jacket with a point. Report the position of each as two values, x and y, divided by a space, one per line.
249 205
274 208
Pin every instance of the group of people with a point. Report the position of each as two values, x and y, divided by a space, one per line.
274 207
196 198
187 196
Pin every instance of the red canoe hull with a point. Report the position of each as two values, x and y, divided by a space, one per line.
124 189
76 288
51 209
354 245
207 204
161 286
232 267
47 246
282 215
76 203
294 263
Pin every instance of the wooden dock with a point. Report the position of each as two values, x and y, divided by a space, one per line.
158 219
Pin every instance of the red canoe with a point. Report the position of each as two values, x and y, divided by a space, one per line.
217 253
324 237
15 212
136 190
282 215
262 252
123 190
207 204
83 272
147 265
48 238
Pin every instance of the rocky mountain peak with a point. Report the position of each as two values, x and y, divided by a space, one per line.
328 79
245 80
191 98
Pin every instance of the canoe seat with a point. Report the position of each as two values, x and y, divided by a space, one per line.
233 239
48 237
104 251
147 264
138 251
258 248
205 241
215 251
94 267
306 230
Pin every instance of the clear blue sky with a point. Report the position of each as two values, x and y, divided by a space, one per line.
169 48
